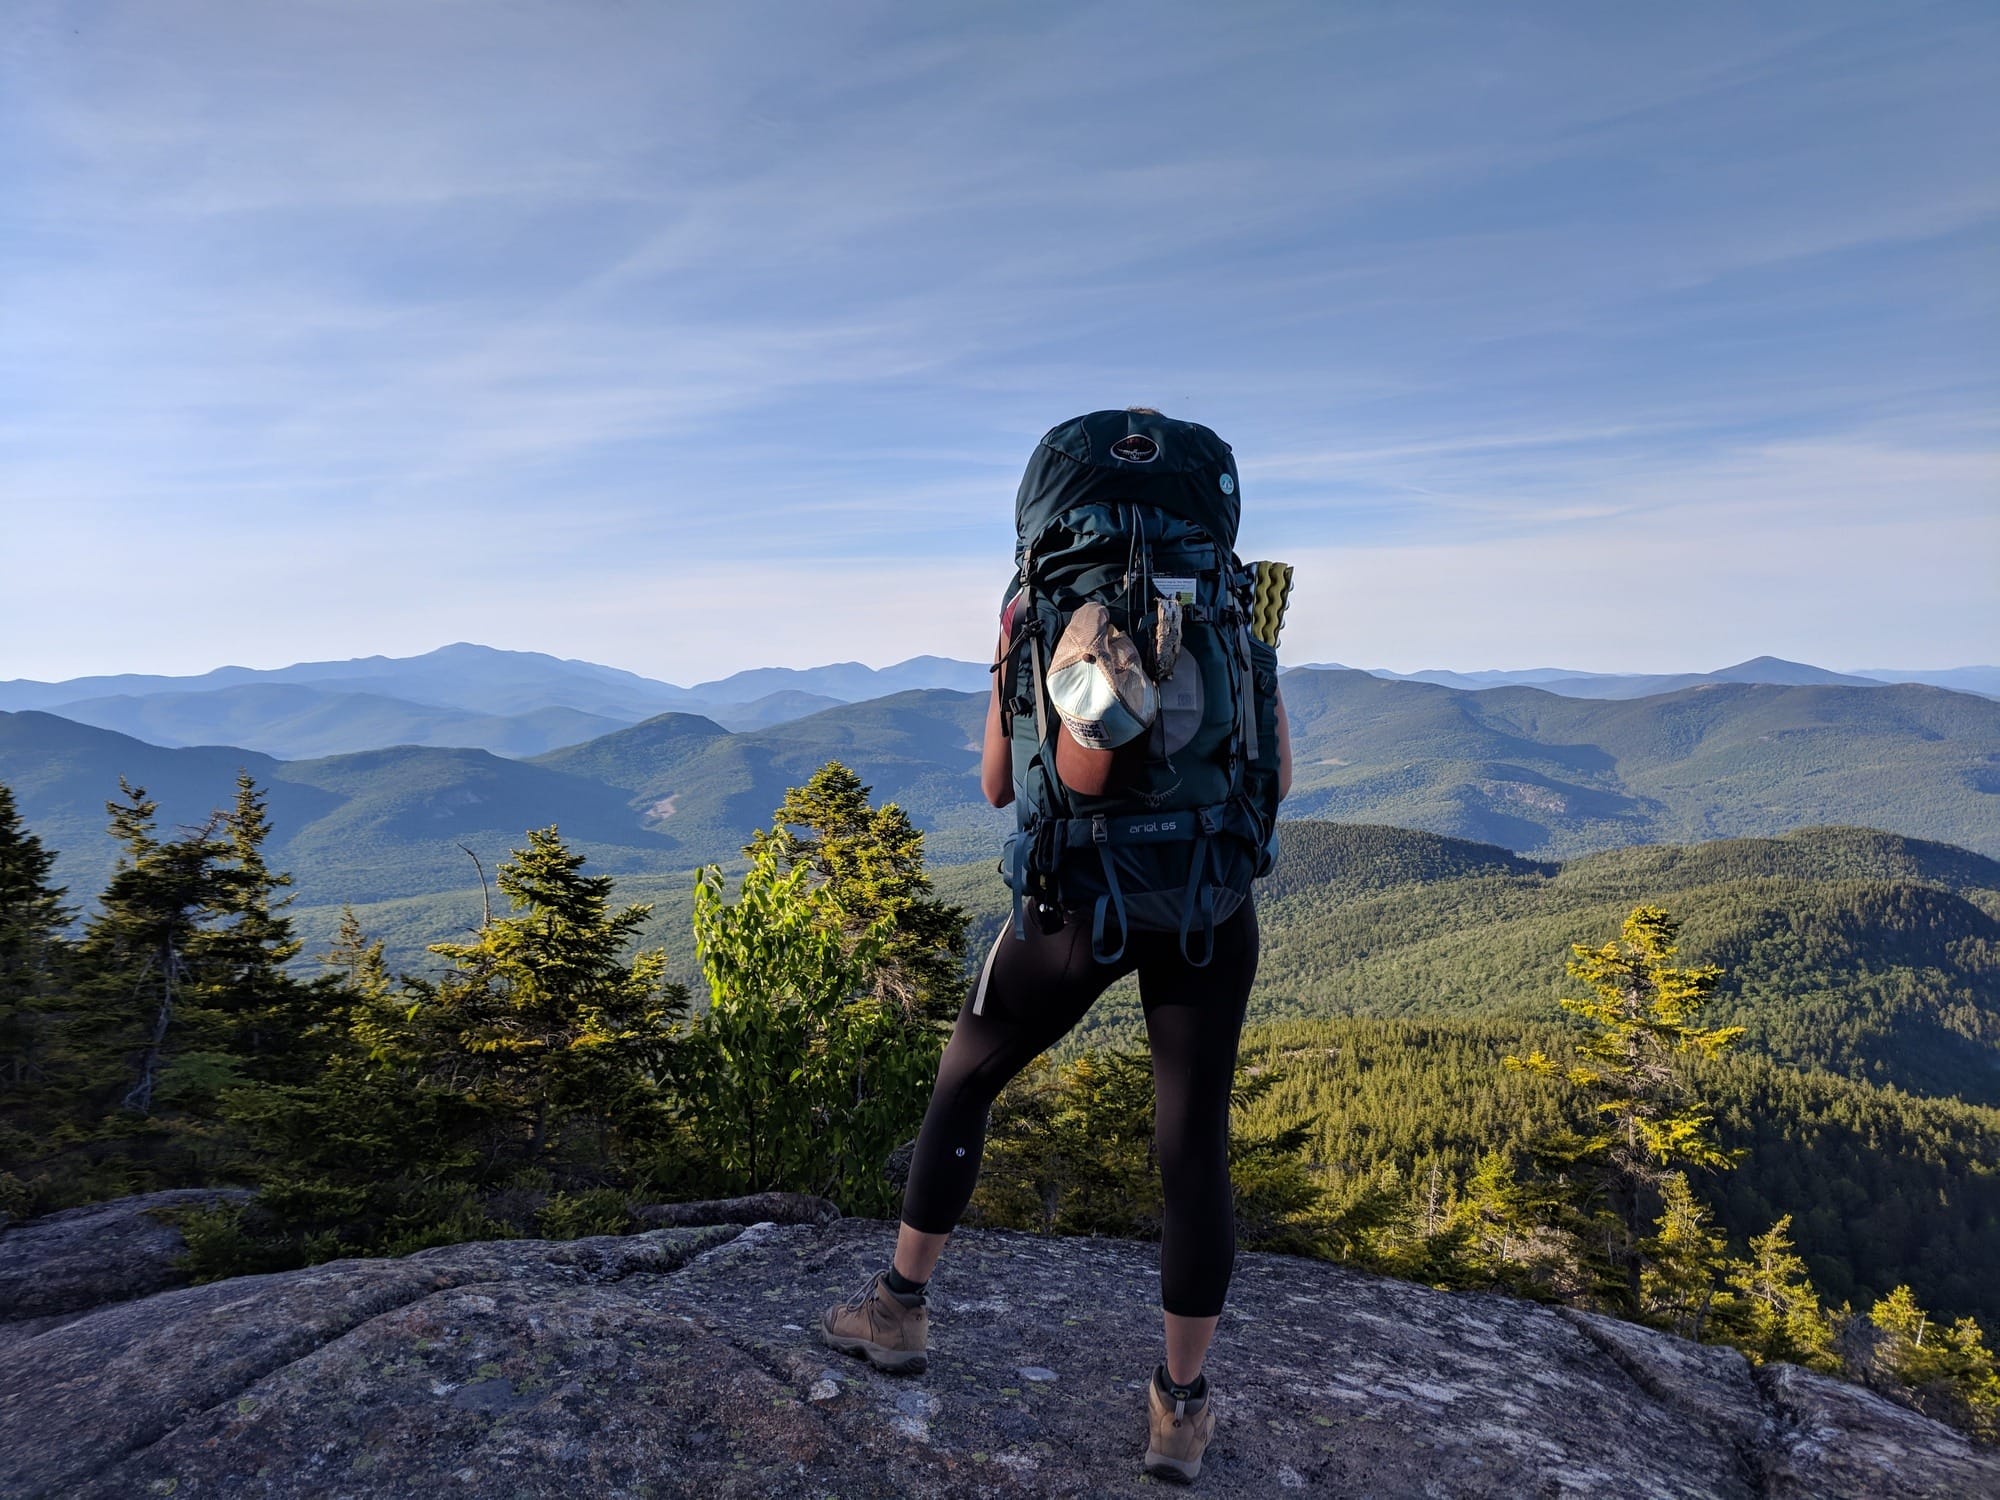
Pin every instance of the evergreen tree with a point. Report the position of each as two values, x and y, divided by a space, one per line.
1515 1236
136 1014
543 1021
1104 1128
1683 1263
1373 1222
1026 1176
1776 1312
32 917
871 860
1642 1013
279 1025
1279 1200
1947 1370
379 1151
184 988
354 961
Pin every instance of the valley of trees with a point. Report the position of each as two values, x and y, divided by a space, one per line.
1650 1141
1847 950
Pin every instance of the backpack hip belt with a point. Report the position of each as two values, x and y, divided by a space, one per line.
1046 859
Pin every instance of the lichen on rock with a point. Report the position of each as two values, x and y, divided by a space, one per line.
61 1265
681 1361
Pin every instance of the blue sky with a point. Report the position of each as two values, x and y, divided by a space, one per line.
694 338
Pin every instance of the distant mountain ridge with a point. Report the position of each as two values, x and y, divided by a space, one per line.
1541 774
486 679
295 721
524 703
478 679
849 681
1775 670
513 703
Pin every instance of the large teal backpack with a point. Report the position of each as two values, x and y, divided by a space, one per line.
1122 508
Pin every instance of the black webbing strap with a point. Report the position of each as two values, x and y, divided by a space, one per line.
999 670
1028 618
1200 892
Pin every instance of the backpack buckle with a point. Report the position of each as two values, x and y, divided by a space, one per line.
1099 832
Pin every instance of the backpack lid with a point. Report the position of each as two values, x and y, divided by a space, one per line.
1124 456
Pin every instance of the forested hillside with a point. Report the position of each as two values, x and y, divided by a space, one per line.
1868 954
662 796
1544 774
918 749
1882 1188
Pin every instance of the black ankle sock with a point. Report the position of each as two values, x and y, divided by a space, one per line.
1192 1392
902 1285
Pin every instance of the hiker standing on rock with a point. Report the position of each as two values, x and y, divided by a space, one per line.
1136 726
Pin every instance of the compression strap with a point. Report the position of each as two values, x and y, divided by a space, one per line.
1200 893
1112 901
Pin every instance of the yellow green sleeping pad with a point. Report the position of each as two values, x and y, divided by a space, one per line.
1273 592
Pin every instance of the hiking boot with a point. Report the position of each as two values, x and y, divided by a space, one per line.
1178 1431
888 1332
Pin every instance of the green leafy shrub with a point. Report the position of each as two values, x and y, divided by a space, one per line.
800 1077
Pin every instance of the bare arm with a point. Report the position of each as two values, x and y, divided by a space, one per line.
996 759
1284 750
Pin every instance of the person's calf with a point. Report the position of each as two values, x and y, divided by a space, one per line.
917 1254
1187 1341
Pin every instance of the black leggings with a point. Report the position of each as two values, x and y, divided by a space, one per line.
1035 989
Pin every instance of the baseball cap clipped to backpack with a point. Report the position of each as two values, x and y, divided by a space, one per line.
1099 683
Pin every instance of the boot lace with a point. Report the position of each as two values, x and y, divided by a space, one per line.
866 1294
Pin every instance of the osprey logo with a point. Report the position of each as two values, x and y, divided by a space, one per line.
1136 449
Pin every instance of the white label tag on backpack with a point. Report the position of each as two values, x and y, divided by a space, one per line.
1170 587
